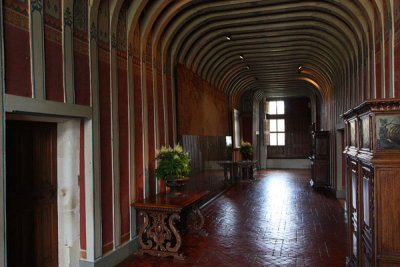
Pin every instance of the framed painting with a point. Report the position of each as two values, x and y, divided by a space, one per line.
388 131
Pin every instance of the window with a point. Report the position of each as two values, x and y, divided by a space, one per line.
275 125
276 107
277 132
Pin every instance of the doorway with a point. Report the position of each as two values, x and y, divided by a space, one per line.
32 223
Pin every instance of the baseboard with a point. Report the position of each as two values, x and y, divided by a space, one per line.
288 164
115 257
340 194
209 201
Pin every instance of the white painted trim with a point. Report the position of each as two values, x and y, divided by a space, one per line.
14 103
173 101
68 51
91 185
339 125
37 54
145 121
155 112
115 257
258 107
115 146
131 136
68 203
165 106
341 194
94 246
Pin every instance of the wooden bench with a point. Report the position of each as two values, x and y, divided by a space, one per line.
165 217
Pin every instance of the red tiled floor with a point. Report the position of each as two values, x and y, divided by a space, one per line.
277 220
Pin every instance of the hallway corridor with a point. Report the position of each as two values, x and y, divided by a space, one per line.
276 220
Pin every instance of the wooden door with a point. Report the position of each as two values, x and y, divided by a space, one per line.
31 156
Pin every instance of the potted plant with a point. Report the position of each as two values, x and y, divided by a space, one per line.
246 150
172 166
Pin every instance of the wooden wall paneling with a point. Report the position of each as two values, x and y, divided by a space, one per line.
202 109
387 212
247 127
367 218
205 151
320 160
297 129
353 210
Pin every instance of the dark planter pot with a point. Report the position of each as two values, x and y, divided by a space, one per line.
176 185
247 156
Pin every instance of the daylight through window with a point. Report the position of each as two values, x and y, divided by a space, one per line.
276 123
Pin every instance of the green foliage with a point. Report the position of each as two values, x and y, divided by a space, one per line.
246 148
172 163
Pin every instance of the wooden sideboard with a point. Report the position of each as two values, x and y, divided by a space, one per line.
320 159
372 133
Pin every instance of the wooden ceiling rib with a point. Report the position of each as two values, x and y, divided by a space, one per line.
275 37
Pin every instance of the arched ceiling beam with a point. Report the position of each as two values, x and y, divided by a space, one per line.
292 36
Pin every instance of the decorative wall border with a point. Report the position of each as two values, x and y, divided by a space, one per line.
16 19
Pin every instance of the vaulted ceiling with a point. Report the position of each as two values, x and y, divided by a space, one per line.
275 47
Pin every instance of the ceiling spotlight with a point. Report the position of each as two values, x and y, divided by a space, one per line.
228 37
247 67
241 56
299 69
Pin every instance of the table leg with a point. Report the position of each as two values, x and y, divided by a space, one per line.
225 174
158 235
196 222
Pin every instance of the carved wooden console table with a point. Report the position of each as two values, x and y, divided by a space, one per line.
165 217
246 169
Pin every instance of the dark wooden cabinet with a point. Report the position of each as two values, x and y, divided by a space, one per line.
320 159
372 132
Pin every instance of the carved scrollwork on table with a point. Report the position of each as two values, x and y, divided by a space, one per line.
165 217
196 222
158 235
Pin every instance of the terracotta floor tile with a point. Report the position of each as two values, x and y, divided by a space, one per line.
277 220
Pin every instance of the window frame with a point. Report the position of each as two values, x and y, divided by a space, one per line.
276 117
